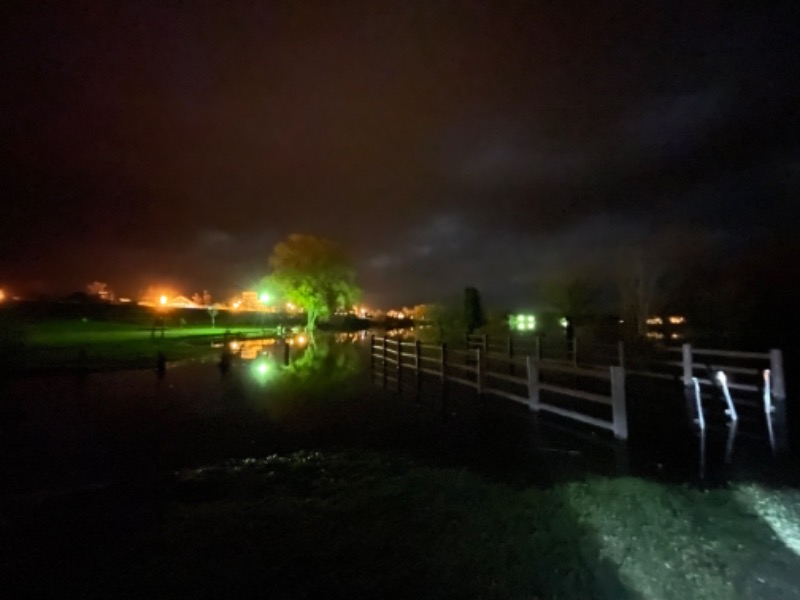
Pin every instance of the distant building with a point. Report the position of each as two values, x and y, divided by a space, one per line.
666 329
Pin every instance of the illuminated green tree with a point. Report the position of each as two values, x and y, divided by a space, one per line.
313 274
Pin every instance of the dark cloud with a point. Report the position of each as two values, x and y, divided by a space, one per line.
444 144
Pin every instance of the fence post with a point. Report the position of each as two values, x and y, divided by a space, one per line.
778 390
399 361
383 370
372 352
618 403
621 353
485 342
443 364
479 370
687 364
776 370
533 383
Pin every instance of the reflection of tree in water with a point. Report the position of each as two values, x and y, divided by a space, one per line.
323 362
316 386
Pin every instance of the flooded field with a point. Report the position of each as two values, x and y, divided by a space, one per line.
289 468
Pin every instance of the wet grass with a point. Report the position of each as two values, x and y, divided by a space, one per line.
362 525
55 345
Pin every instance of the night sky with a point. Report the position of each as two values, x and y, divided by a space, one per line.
443 143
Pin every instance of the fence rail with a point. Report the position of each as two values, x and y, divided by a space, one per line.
469 367
512 368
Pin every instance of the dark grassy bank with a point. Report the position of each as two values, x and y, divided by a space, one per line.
362 525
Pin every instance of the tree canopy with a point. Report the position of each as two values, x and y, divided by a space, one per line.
313 274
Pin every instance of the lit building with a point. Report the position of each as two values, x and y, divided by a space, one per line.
668 328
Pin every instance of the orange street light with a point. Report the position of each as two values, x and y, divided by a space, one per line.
163 300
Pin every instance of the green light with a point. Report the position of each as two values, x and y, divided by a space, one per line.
523 322
263 370
563 321
264 297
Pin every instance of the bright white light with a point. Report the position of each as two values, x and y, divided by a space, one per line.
234 345
721 377
163 300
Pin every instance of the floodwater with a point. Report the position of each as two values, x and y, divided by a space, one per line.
83 429
106 488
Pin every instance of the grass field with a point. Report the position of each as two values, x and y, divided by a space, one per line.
102 345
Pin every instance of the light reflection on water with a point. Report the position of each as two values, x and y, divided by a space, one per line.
321 390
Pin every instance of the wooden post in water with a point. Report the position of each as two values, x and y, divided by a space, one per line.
533 383
417 372
480 370
443 364
399 362
620 412
384 363
687 364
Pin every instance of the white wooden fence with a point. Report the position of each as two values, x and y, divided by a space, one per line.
469 367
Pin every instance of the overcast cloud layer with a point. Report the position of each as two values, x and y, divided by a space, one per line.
444 144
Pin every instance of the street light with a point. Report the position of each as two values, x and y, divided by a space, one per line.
163 300
263 298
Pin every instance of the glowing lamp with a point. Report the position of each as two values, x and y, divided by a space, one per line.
163 300
264 298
